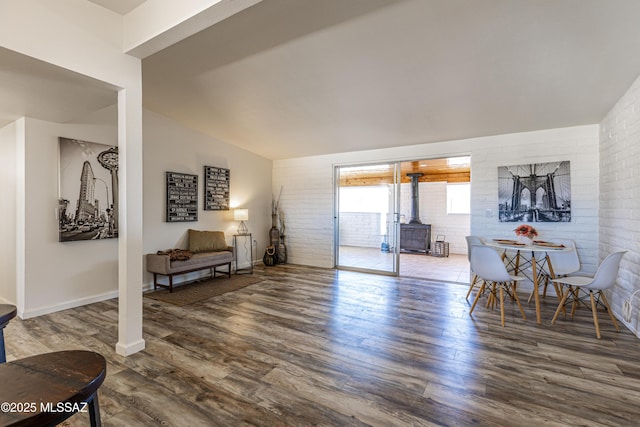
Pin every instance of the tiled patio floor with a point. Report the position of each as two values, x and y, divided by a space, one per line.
454 268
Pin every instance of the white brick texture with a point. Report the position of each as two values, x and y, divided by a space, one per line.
308 190
620 198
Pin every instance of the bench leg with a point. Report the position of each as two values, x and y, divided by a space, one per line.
170 283
155 281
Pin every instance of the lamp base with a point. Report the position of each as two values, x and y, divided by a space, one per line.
242 228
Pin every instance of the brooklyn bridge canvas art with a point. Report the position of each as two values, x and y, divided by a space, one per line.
537 192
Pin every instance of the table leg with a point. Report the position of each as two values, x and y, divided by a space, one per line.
94 411
535 286
3 355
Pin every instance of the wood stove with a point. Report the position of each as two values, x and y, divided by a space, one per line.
415 236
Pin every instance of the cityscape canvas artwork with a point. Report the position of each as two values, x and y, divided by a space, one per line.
538 192
88 202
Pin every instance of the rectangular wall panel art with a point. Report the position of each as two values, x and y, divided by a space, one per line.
538 192
88 199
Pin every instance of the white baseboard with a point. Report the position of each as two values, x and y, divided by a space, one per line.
129 349
27 314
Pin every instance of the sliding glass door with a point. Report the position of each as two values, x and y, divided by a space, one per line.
366 217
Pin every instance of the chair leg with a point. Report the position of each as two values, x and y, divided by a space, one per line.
606 304
558 289
475 301
560 306
544 290
502 285
473 283
594 310
574 304
491 301
515 296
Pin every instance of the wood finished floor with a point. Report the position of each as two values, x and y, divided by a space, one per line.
334 348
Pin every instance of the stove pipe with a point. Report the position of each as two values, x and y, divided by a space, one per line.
415 198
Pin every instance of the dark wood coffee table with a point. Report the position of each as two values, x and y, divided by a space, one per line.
49 388
7 312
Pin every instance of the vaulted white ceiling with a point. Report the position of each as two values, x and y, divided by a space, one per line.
290 78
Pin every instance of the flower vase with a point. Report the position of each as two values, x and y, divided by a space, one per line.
282 251
274 233
525 240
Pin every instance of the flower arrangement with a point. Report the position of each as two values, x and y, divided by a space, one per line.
526 230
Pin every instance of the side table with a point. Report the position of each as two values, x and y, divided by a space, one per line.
7 312
247 253
49 388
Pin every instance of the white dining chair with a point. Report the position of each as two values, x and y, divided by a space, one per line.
604 278
488 265
562 263
472 240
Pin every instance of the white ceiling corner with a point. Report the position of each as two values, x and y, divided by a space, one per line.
121 7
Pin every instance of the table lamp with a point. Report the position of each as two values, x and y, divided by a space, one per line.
241 215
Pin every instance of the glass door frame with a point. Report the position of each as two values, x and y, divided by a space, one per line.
394 214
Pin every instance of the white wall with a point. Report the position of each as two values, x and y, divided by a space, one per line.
85 38
61 275
8 161
620 198
171 147
579 145
308 187
361 229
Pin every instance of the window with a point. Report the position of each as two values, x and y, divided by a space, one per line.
459 198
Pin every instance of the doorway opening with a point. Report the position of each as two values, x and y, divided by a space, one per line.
390 217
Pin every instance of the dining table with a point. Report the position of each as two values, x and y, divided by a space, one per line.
519 257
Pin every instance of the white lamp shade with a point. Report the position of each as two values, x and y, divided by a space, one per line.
241 214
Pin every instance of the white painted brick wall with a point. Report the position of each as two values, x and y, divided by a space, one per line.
307 201
579 145
361 229
620 197
307 197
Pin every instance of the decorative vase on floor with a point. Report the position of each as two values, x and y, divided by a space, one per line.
282 251
274 233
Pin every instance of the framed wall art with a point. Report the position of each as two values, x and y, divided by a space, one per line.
182 197
216 189
538 192
88 190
